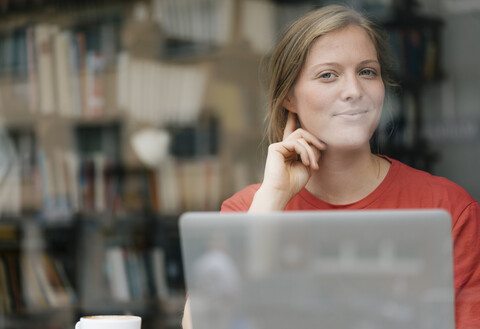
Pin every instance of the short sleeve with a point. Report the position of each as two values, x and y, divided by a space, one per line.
241 200
466 246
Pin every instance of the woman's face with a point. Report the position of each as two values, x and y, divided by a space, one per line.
339 93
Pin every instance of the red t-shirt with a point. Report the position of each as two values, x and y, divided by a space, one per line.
408 188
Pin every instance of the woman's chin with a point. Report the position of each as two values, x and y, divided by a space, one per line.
347 146
347 142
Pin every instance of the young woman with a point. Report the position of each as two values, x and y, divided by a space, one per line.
327 87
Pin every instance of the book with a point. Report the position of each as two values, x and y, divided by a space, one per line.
94 84
135 281
46 81
13 270
24 141
32 293
32 71
99 163
65 282
81 51
75 73
72 170
157 256
170 200
40 275
62 47
122 81
117 276
60 295
5 297
59 171
19 62
10 197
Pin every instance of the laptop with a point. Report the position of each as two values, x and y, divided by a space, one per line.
375 269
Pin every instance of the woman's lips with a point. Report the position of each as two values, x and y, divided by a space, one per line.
351 113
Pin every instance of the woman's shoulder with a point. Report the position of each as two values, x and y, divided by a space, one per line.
426 184
416 177
241 200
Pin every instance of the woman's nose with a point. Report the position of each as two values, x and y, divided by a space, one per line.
351 89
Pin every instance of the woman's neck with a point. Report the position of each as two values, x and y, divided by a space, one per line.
347 177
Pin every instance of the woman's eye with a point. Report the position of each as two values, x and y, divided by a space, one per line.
368 72
326 76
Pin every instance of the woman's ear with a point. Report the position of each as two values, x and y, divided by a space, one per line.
289 105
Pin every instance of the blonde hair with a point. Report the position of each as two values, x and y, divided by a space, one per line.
291 52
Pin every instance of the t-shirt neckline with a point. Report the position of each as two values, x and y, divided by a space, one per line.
362 203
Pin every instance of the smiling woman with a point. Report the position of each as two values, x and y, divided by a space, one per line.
328 76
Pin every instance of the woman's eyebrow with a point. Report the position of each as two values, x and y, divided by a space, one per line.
369 61
317 66
326 64
334 64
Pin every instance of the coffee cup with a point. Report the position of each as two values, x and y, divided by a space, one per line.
109 322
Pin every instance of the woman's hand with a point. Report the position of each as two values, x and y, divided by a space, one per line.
286 174
187 316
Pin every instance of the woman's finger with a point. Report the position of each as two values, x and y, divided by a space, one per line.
291 125
296 147
313 162
309 138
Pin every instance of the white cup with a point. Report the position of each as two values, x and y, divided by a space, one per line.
109 322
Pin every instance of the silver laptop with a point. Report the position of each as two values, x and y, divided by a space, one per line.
330 269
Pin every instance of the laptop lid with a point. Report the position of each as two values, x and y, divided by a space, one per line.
329 269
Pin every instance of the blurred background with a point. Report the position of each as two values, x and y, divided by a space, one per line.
118 116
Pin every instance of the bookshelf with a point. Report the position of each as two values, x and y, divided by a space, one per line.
124 114
416 43
78 81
